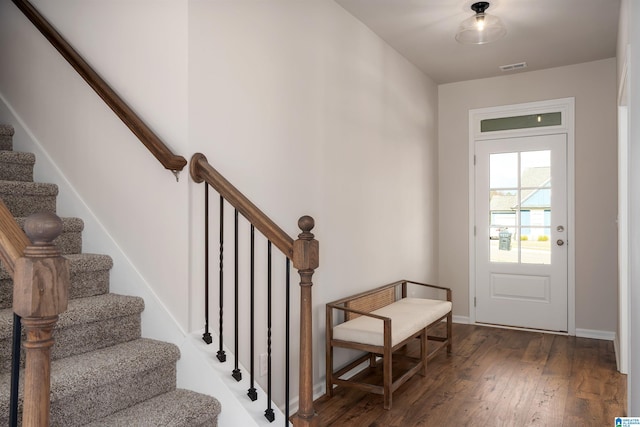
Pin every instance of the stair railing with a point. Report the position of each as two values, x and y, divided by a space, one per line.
40 293
303 252
154 144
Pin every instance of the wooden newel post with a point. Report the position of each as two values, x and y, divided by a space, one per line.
40 294
305 260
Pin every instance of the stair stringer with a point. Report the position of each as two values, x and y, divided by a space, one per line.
194 370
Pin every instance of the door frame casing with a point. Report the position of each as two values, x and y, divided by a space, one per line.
621 343
567 107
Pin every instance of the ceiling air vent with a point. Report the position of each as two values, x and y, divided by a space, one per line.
512 67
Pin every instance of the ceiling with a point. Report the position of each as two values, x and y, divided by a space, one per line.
542 33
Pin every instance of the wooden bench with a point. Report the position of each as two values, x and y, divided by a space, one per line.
380 322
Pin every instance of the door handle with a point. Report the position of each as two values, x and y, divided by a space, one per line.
560 242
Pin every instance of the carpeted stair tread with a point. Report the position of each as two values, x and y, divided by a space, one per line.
93 385
84 310
70 241
28 188
100 307
89 274
6 137
178 408
87 325
17 157
97 322
89 277
89 262
26 198
16 166
109 365
100 383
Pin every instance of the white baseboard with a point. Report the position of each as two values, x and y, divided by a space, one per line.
581 333
622 367
461 319
595 334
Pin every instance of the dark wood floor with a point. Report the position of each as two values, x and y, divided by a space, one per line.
497 377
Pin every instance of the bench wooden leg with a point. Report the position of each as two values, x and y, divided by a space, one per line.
424 353
329 375
372 360
329 352
387 376
449 332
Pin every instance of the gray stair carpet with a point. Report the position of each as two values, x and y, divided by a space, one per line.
103 372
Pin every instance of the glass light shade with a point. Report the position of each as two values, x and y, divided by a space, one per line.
480 29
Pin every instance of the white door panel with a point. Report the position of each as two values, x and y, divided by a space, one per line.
521 232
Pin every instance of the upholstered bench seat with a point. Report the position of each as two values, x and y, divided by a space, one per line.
407 315
383 321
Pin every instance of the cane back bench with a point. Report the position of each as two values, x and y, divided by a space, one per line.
380 322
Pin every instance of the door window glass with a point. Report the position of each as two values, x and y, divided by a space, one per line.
520 207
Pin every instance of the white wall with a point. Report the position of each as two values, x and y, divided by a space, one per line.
629 35
297 103
594 88
308 112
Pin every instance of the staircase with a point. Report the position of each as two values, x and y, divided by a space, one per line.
103 373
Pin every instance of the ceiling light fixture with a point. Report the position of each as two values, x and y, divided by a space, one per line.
480 28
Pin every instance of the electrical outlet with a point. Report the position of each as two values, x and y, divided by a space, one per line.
263 364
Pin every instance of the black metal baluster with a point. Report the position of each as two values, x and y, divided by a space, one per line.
207 335
268 413
236 372
252 393
222 357
287 342
15 370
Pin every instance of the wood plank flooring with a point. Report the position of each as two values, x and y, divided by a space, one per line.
496 377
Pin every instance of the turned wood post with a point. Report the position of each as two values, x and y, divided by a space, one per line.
305 260
40 294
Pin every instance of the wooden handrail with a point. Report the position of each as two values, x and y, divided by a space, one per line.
153 143
12 239
201 170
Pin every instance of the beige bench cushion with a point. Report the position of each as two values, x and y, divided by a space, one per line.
408 316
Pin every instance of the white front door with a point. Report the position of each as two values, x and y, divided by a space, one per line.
521 232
